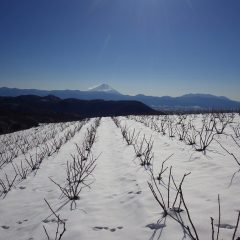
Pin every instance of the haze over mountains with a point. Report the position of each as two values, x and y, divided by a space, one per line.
106 92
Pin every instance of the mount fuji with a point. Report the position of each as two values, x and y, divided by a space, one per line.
103 88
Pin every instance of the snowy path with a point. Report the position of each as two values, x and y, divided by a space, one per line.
119 204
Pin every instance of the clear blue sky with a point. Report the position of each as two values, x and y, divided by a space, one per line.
155 47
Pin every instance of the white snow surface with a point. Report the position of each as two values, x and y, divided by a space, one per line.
119 203
103 88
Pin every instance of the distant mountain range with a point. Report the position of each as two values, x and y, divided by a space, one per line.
106 92
22 112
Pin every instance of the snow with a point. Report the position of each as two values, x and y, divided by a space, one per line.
119 203
103 88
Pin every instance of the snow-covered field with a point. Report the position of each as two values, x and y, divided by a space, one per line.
113 199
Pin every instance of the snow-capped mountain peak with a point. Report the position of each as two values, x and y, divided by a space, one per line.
103 88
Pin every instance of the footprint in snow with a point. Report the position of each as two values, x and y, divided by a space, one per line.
195 159
112 196
97 228
138 192
225 225
155 226
166 144
5 227
53 220
21 221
